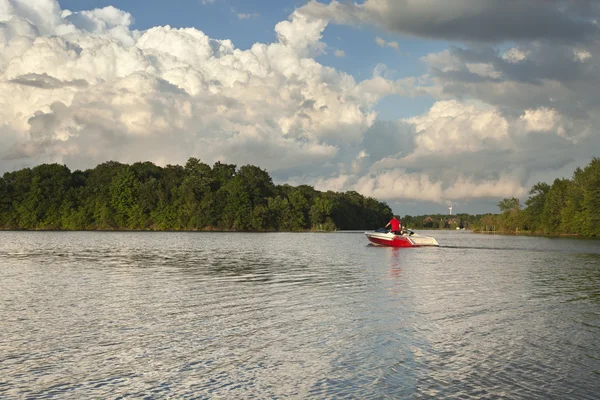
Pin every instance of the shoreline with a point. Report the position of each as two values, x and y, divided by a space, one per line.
159 230
536 234
216 230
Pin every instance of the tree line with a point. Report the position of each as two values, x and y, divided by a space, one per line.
441 221
144 196
568 206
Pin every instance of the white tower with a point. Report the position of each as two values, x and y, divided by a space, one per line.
450 208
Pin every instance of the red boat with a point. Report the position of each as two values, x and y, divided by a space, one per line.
383 237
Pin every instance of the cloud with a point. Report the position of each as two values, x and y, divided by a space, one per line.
401 184
541 119
581 55
82 94
453 127
496 107
515 55
469 20
541 81
382 43
302 34
247 15
340 53
459 152
242 16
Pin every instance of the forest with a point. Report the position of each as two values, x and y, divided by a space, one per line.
144 196
567 207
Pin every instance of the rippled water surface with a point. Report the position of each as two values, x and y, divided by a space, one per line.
226 315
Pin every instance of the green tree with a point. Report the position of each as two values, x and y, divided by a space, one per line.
511 219
535 204
257 183
555 202
590 180
237 214
196 195
298 211
124 193
320 213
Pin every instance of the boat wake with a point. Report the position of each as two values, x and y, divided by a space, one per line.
493 248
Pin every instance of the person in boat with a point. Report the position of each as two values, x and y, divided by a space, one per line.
396 225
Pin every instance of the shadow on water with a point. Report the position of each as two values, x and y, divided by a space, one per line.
488 248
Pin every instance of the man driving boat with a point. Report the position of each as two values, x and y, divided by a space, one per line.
396 225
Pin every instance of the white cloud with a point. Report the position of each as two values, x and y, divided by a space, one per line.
453 127
582 55
515 55
340 53
302 33
483 69
336 184
399 184
445 61
541 119
383 43
83 94
505 186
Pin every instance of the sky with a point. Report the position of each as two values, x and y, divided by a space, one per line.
422 104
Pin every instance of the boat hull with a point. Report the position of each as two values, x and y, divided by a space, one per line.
405 240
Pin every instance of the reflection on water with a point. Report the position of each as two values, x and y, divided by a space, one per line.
226 315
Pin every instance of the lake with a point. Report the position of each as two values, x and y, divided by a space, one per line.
297 315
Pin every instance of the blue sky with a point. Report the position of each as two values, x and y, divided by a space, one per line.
217 19
450 102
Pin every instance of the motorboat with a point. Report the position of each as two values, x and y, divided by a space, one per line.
383 237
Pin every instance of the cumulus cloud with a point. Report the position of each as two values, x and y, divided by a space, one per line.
454 127
83 87
458 152
542 119
497 106
546 85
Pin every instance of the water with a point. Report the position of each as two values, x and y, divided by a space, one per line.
226 315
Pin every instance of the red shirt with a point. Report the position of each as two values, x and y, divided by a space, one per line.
395 224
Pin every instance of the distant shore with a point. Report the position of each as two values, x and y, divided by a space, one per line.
162 230
218 230
528 233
